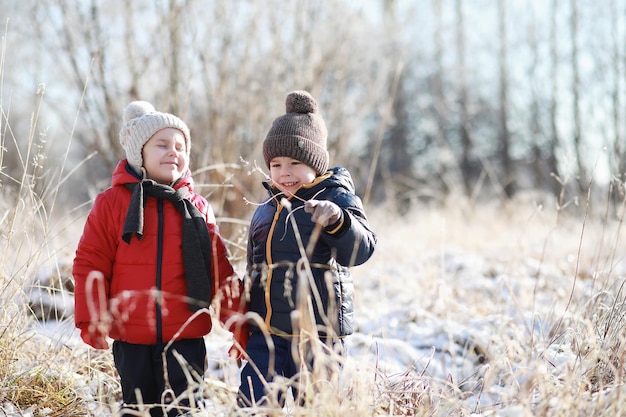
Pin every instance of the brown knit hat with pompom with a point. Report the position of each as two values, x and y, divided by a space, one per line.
299 134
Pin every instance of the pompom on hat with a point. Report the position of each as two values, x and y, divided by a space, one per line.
299 134
141 121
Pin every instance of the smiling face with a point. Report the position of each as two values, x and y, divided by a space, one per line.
289 174
165 156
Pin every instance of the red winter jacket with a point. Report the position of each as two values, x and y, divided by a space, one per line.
141 295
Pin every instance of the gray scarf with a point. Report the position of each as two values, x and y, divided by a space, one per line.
196 239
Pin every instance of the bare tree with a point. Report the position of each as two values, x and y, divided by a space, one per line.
622 155
504 136
618 82
543 145
225 67
576 86
554 138
464 122
447 168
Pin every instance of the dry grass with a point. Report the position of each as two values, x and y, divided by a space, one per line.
533 293
563 271
529 299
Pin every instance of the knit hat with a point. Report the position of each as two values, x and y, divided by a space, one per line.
299 134
141 121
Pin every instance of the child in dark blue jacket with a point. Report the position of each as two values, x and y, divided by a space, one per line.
301 243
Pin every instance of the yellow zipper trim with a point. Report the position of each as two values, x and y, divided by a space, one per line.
268 257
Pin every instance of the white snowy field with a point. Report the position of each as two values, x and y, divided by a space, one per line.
512 311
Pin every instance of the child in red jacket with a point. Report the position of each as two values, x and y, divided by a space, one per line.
149 264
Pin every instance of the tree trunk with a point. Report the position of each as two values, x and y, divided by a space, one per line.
466 142
618 145
578 145
503 131
553 141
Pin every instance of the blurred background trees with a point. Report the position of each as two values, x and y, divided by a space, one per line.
425 101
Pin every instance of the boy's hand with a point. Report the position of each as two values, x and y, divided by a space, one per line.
94 337
323 212
241 335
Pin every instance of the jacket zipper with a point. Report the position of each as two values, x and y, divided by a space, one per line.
268 257
159 271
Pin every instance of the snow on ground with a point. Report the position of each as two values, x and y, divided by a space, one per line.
476 301
445 299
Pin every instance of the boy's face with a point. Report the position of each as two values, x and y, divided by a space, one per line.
165 156
289 174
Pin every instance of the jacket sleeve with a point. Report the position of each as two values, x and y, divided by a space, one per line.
351 238
92 268
228 298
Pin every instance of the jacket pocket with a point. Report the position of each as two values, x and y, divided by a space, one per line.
344 297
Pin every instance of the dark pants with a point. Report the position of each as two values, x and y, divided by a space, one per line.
141 368
259 371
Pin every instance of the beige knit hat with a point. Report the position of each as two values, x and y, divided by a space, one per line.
299 134
141 121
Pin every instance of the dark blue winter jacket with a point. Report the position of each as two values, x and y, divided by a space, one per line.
276 266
